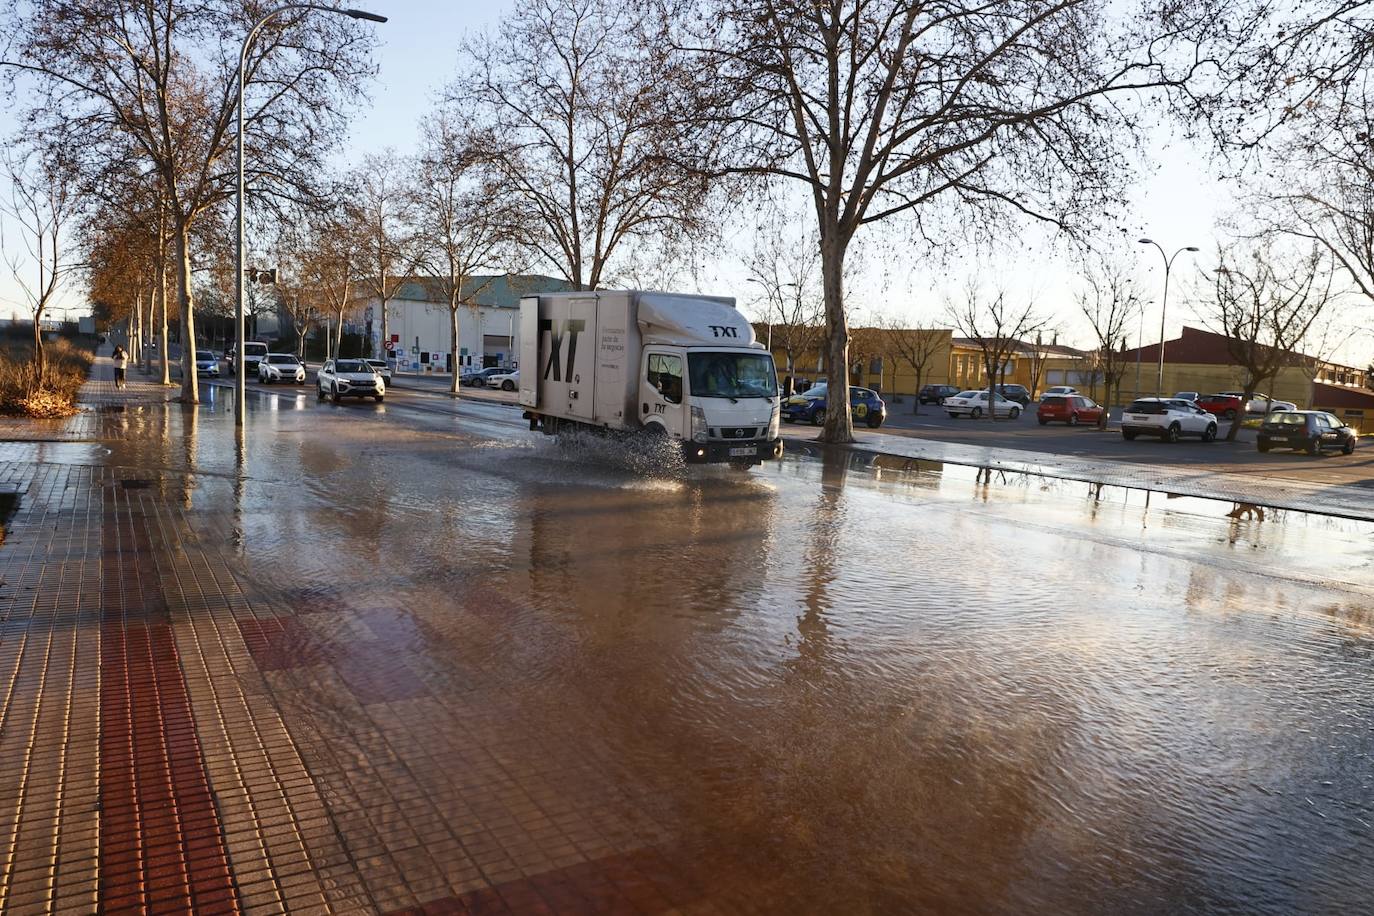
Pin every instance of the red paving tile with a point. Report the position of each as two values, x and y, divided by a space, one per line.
152 775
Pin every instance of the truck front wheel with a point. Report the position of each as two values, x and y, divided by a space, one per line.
818 417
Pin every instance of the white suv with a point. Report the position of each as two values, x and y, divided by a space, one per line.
1167 418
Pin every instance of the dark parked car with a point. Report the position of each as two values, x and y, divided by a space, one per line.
935 394
478 378
1312 431
864 404
1017 393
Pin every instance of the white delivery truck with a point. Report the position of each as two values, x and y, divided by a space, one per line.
667 364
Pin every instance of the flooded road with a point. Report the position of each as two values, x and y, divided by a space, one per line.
823 686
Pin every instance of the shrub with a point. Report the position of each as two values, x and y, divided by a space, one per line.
68 365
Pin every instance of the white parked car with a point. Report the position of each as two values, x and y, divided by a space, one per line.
1187 395
349 378
1261 403
975 403
1167 418
382 368
506 381
281 367
1059 391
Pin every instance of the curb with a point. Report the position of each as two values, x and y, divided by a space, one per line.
1107 476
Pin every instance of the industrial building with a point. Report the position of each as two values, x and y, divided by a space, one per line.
419 329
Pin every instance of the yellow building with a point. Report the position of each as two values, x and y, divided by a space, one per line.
880 358
1199 360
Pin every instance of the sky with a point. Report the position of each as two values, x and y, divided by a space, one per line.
1177 201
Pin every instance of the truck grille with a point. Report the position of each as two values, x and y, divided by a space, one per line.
735 432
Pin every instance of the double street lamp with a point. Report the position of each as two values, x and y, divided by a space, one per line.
240 377
1163 310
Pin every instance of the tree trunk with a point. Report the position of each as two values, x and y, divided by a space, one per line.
162 319
190 391
839 425
1234 431
916 398
453 345
39 359
386 327
338 335
136 330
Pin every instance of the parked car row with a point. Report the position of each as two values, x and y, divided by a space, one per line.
491 377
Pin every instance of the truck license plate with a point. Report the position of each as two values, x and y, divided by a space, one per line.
741 452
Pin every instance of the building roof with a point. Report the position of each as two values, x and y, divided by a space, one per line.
1331 397
1195 346
502 291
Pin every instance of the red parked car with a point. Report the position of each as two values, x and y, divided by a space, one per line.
1072 409
1226 406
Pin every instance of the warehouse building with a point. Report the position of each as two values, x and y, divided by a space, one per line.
418 323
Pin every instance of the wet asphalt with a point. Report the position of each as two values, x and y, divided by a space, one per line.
836 687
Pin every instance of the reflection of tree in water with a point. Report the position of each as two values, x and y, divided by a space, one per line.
813 631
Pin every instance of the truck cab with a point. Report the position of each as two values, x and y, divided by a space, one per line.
722 404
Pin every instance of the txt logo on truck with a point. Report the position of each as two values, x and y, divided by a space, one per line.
557 331
723 330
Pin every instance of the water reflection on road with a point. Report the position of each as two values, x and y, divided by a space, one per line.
835 685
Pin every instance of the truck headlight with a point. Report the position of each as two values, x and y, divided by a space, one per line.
699 428
774 421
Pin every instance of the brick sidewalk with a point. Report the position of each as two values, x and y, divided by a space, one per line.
178 736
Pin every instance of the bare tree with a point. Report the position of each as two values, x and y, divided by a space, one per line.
786 269
1323 191
389 253
996 327
1036 358
331 265
576 105
299 300
918 347
1110 299
885 108
463 226
43 201
1265 305
161 75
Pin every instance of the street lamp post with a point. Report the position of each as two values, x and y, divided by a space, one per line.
1163 311
240 377
769 293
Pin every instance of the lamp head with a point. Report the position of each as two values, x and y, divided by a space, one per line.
1190 248
1147 241
363 14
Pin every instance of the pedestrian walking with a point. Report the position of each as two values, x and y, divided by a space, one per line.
121 364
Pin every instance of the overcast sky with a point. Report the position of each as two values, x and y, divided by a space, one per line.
1178 202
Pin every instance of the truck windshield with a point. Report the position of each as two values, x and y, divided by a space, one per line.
732 375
